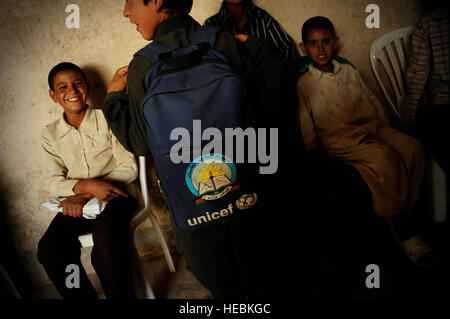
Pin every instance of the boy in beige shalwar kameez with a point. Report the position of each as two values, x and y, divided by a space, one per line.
338 112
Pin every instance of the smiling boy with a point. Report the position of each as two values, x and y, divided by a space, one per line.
85 160
338 112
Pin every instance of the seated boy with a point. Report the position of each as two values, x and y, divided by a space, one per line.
338 113
85 160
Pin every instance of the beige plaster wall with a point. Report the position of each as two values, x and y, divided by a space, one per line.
34 38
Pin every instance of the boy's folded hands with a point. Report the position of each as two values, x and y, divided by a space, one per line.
86 189
73 205
104 191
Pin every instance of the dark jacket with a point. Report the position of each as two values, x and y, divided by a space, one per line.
255 61
227 258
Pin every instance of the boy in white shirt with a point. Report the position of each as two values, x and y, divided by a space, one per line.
85 160
338 113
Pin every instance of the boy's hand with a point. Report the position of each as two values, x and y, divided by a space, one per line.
241 38
73 205
119 80
104 191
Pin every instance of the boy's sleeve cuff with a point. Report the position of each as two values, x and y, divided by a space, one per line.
66 188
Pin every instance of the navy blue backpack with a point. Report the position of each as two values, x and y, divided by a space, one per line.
185 86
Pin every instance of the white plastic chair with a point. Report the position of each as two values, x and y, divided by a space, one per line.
391 51
144 289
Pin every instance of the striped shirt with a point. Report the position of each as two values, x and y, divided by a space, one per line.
428 65
261 25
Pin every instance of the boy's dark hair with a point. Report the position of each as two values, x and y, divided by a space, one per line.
63 66
179 5
316 23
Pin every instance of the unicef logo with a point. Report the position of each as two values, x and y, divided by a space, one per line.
246 201
211 177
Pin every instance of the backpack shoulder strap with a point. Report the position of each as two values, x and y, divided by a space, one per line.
153 50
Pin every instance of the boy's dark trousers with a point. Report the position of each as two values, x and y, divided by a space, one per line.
111 255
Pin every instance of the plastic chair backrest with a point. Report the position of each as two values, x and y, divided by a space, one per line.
391 50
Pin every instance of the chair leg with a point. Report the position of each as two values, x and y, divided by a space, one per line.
163 243
143 288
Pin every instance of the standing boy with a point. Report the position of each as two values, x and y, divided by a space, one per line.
338 113
244 17
427 84
85 160
227 258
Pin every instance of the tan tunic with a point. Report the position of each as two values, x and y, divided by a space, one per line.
338 112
